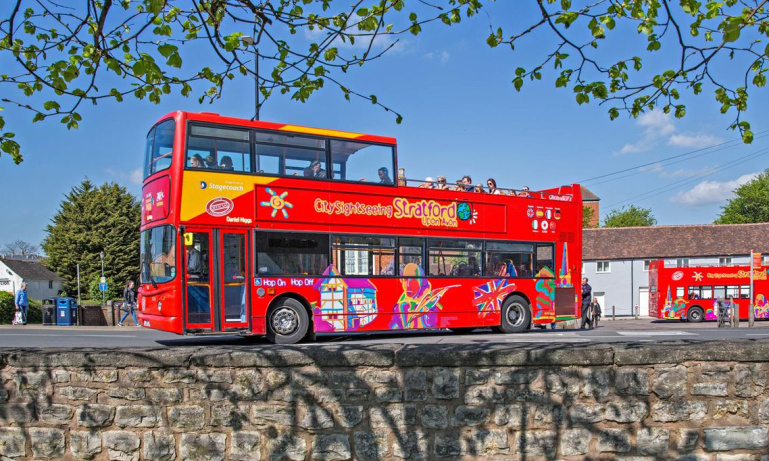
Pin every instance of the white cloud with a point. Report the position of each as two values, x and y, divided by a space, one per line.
709 192
135 176
698 140
657 123
131 177
640 146
445 56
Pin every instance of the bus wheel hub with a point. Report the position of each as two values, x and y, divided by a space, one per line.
285 321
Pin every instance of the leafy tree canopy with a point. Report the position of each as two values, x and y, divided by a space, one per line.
90 220
587 217
630 217
750 203
59 57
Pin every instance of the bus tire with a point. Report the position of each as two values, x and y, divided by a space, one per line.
516 315
287 322
695 314
463 330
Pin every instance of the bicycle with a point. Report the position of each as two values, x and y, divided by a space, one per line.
724 315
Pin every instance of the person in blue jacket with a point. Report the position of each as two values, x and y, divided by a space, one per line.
22 302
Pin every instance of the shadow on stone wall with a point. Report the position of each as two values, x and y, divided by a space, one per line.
339 402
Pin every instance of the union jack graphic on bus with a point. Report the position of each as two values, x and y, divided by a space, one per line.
489 297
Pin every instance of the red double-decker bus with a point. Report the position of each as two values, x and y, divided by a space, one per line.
260 228
691 293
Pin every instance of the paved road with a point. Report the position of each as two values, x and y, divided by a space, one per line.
639 331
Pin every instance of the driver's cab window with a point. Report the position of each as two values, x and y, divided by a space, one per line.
357 161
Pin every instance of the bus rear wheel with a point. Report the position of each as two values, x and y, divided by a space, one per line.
516 315
287 322
695 314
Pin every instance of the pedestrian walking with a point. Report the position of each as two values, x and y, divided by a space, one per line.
129 304
22 304
596 313
587 297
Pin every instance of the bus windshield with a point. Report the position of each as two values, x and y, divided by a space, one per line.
158 254
159 147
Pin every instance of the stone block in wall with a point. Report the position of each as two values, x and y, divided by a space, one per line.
474 377
175 375
445 384
95 415
331 447
247 385
349 415
33 384
121 445
465 415
447 445
214 394
667 412
730 409
138 416
626 412
77 393
670 382
632 381
512 415
710 389
435 416
415 384
17 413
47 442
245 446
164 395
371 446
60 376
388 394
85 444
652 440
137 375
687 440
485 443
575 442
287 447
564 382
229 415
187 417
395 417
596 382
763 411
515 376
316 418
715 372
159 446
736 438
103 376
12 442
374 377
549 416
127 393
613 440
346 380
411 445
272 415
484 395
749 380
55 413
216 376
203 447
586 412
536 443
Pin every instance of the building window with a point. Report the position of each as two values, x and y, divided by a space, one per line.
682 262
50 284
603 267
647 263
724 261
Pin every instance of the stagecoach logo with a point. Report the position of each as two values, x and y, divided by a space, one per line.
219 206
677 275
203 184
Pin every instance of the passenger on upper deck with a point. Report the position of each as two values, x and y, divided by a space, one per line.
384 177
315 170
467 183
196 161
492 183
210 162
442 183
479 188
524 192
226 163
428 184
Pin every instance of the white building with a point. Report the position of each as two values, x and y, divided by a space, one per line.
41 282
616 259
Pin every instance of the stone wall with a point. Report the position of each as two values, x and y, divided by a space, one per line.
691 401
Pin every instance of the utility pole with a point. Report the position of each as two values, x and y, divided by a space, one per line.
101 255
751 314
252 41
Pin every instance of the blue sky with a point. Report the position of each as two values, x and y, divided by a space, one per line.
461 116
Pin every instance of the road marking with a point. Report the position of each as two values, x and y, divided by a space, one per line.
757 334
655 333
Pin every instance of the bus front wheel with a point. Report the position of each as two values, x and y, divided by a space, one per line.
287 322
695 314
516 315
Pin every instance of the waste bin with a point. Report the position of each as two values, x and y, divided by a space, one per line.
66 311
49 311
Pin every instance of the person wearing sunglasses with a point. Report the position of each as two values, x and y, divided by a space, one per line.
492 184
442 183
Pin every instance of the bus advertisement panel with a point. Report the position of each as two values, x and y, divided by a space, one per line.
691 293
245 232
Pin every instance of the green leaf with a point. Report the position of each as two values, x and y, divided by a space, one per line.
167 49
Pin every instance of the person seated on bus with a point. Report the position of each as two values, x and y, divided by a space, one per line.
315 170
441 183
384 176
467 183
524 192
226 164
195 265
196 161
492 184
210 162
471 269
428 184
479 189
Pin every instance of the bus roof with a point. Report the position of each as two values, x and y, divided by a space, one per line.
216 118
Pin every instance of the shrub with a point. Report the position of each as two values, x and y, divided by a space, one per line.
8 310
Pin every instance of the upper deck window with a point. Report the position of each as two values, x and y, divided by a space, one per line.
357 161
159 148
289 155
221 149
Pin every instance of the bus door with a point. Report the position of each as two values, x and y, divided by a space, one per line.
197 275
232 310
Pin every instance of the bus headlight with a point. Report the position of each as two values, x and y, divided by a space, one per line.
160 305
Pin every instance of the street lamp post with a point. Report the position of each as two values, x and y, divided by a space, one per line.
101 255
250 41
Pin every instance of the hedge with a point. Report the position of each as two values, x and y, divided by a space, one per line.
8 310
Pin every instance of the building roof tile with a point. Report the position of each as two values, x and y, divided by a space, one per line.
706 240
31 270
